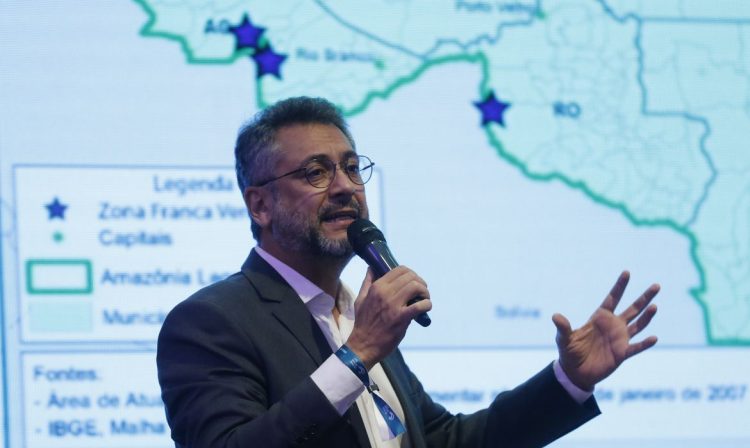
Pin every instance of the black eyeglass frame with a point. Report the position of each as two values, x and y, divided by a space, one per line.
332 165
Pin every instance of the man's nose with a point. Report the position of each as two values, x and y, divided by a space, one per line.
341 184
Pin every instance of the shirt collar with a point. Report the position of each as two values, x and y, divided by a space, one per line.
305 289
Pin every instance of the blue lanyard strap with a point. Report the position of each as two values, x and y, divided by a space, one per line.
352 361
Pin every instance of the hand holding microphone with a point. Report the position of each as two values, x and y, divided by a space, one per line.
384 308
369 243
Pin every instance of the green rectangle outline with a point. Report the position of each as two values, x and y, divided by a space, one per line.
59 261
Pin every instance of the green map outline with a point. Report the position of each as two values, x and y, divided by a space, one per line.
481 59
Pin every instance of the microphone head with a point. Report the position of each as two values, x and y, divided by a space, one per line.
361 233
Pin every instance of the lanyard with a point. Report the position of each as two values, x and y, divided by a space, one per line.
352 361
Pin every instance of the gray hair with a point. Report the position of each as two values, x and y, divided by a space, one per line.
256 151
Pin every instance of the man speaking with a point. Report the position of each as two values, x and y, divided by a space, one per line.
283 354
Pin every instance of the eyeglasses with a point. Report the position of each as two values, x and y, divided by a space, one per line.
321 171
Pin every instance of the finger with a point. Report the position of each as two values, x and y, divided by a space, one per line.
408 285
642 321
366 283
412 292
563 329
634 349
615 294
364 290
416 308
405 271
640 303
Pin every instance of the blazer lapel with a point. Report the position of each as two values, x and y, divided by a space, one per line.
286 306
288 309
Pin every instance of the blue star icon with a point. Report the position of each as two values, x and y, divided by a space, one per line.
492 109
247 34
56 209
268 62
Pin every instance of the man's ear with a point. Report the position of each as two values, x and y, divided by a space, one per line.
258 203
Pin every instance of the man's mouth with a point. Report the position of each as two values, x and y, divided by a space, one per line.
340 216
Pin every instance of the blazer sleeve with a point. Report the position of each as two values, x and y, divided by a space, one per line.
531 415
214 386
536 413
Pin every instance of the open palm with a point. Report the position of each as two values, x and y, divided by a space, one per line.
591 353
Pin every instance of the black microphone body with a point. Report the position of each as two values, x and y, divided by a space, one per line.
369 243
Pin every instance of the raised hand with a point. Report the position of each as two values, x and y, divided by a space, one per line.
591 353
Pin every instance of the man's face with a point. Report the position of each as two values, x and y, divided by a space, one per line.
305 218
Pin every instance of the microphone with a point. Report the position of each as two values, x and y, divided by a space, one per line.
369 243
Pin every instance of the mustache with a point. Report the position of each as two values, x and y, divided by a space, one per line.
330 209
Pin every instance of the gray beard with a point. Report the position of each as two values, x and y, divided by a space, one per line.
333 248
296 233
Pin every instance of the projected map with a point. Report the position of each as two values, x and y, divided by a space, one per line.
526 153
582 73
